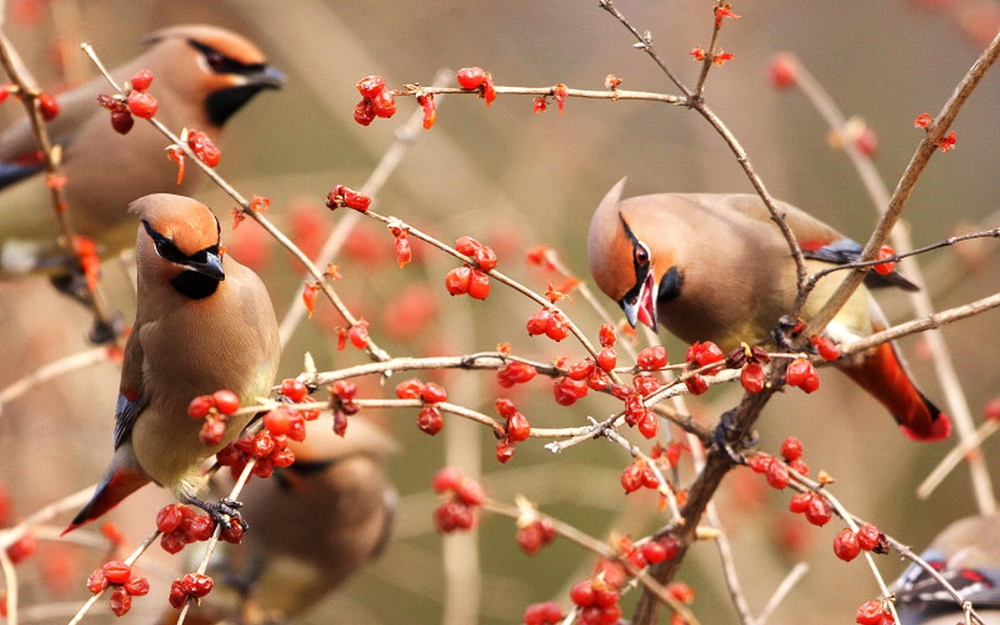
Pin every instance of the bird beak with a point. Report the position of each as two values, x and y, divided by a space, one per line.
642 308
211 267
270 78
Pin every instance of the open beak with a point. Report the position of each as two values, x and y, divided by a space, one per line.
643 307
211 267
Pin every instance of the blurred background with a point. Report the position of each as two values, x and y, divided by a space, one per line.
514 180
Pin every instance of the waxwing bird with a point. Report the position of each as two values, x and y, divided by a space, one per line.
202 75
316 522
716 268
203 323
967 555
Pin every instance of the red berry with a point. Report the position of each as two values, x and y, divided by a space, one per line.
212 431
991 411
429 420
142 80
169 518
294 389
548 613
116 571
142 104
696 384
707 353
177 596
470 77
652 358
869 537
518 428
97 582
654 552
432 393
887 267
870 613
409 389
797 371
607 359
845 545
458 280
777 475
538 322
818 512
782 71
200 406
760 463
446 479
137 586
479 285
358 335
226 401
791 449
557 327
204 148
121 121
467 245
505 450
752 377
370 86
647 425
631 478
515 373
202 527
470 492
799 466
49 108
364 112
800 502
197 584
567 391
121 601
811 382
486 258
384 104
582 593
607 335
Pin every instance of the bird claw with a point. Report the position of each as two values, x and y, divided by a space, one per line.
721 442
223 511
782 335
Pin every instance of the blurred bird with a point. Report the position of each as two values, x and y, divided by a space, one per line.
201 76
316 522
203 323
716 268
967 555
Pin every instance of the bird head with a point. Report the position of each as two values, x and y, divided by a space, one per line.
178 242
622 262
224 69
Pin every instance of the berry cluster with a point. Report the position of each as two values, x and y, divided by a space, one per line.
342 394
181 525
597 600
776 471
469 279
125 585
847 544
702 354
550 322
459 511
213 409
138 103
376 100
270 451
429 418
802 373
516 430
191 586
476 79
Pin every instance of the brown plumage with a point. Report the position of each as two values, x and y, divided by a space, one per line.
714 267
316 522
203 323
201 76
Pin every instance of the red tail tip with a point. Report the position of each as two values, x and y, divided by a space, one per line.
940 430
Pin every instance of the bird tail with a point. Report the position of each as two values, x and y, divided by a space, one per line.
118 483
882 373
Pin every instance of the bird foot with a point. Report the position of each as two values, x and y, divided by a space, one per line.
222 511
721 438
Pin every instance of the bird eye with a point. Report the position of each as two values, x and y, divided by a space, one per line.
641 254
216 60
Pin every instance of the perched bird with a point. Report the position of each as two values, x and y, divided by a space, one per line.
316 522
203 323
967 555
716 268
202 75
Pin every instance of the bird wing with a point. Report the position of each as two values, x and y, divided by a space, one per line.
131 397
843 251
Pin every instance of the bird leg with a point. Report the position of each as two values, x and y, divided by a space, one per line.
222 511
788 327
